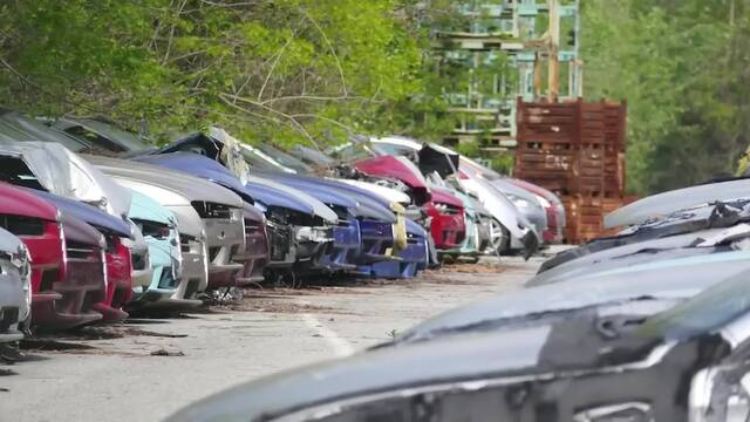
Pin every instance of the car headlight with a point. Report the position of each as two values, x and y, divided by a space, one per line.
260 207
312 234
545 203
521 203
236 215
620 412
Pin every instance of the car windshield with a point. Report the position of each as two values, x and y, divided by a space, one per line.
710 310
113 134
20 128
285 159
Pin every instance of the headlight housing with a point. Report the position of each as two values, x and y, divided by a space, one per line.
619 412
312 234
545 203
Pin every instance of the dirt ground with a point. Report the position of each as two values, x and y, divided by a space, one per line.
146 369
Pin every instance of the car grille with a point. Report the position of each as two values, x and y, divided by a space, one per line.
9 317
22 226
279 241
166 281
138 261
78 250
211 209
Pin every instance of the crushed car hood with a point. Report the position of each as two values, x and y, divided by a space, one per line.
390 194
64 173
678 278
90 214
194 188
199 166
18 201
370 204
665 203
302 201
400 168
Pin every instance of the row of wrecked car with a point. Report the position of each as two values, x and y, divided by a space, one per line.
650 324
96 224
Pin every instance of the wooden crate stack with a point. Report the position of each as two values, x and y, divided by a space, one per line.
577 150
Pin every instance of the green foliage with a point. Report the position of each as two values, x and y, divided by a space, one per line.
288 70
682 68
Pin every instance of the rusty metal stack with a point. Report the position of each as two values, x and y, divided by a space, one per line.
577 150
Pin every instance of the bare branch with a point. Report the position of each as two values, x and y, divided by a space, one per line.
231 100
171 33
333 51
279 54
347 128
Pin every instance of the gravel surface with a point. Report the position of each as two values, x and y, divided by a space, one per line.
146 369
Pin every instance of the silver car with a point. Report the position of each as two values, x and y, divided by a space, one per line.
15 287
220 210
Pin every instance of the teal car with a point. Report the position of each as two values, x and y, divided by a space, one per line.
159 228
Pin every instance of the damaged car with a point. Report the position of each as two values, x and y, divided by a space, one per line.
158 226
193 262
15 288
220 210
50 167
641 360
114 252
65 282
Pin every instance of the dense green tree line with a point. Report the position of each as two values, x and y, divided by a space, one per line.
318 70
282 69
683 66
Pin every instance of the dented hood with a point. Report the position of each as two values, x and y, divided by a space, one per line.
272 192
668 279
399 168
194 188
64 173
19 201
470 357
665 203
90 214
199 166
370 204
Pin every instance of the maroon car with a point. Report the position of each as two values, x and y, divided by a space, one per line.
67 272
446 211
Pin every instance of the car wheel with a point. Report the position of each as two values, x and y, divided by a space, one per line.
499 238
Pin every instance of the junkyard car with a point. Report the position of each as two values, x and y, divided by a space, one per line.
686 363
100 136
159 228
116 255
193 250
255 254
220 209
64 287
665 203
515 230
15 287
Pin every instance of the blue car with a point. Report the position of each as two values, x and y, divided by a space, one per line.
158 226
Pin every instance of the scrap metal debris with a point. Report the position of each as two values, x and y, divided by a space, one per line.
164 352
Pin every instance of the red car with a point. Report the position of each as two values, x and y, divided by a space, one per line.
67 272
447 226
446 211
553 207
116 255
119 279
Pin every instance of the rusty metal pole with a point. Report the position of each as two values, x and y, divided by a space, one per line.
553 75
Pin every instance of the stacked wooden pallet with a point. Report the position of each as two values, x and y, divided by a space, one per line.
576 149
